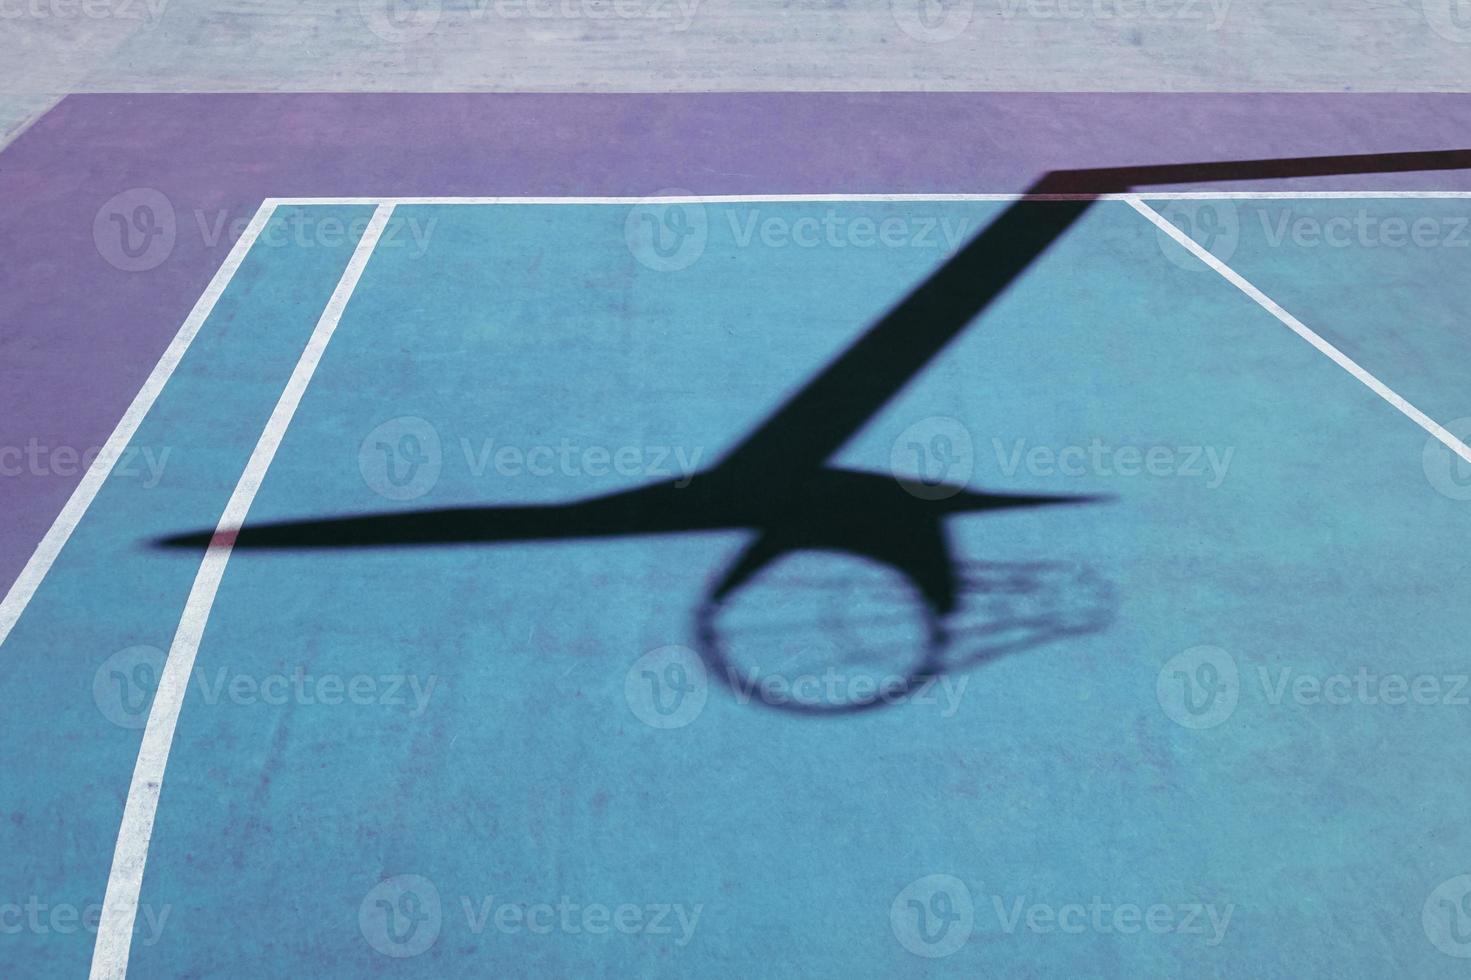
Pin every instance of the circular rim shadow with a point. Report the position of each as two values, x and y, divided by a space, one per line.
713 651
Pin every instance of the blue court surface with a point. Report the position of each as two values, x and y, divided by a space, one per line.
1198 706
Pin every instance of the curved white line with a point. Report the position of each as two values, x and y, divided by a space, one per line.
120 904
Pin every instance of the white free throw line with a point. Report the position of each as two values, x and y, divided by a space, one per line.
120 904
41 560
884 198
1302 330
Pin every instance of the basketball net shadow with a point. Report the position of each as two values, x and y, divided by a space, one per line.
779 483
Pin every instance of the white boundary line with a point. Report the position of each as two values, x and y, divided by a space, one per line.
1302 330
120 904
41 560
884 198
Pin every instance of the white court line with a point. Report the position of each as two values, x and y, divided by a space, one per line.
1302 330
884 198
1291 195
41 560
120 904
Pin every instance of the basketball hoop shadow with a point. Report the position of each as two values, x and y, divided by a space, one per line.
779 483
1000 608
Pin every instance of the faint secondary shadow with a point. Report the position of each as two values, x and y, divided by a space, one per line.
1000 608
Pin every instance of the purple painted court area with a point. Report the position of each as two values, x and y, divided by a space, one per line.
82 322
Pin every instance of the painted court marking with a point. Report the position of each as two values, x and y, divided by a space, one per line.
114 935
41 560
120 904
1302 330
880 198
